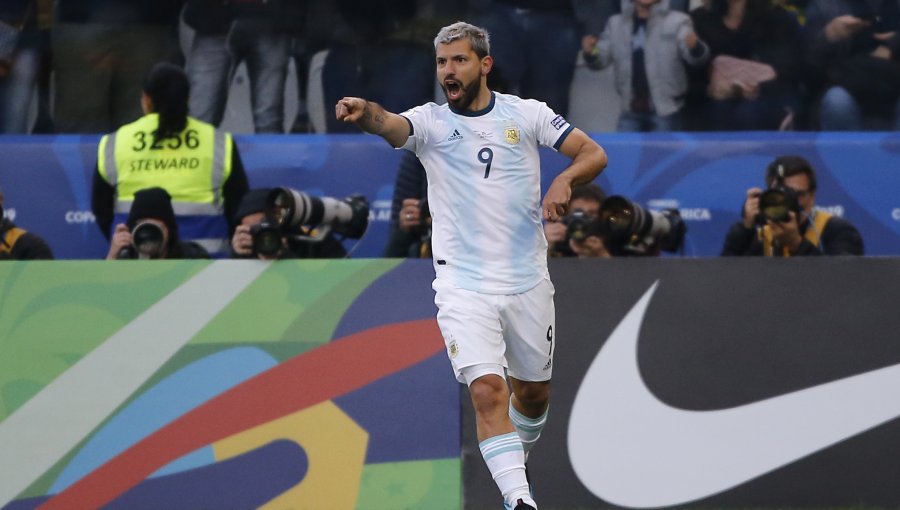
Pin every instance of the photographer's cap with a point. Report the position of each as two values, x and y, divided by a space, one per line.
153 203
254 201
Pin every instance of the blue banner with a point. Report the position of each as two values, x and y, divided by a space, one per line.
47 180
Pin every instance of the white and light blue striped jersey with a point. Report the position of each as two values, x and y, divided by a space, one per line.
484 190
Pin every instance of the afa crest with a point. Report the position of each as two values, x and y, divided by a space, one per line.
512 135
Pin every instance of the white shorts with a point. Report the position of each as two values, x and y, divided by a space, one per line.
514 331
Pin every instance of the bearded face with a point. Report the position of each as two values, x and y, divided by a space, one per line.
460 73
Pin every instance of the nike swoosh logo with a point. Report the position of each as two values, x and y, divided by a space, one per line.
633 450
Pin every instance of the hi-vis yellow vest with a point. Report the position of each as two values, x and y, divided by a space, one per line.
192 167
813 233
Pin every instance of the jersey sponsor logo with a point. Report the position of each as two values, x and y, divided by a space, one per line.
512 135
558 122
655 455
455 136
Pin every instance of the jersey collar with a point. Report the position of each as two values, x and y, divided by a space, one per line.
476 113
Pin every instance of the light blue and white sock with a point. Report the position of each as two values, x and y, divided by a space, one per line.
529 429
505 458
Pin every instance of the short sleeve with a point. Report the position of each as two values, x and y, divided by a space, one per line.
552 128
419 120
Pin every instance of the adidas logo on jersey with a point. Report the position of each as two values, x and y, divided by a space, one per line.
455 136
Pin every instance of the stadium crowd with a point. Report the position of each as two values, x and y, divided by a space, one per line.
745 65
79 66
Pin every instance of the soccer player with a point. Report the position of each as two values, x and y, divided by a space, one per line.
492 286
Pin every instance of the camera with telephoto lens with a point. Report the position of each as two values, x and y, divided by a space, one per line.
776 204
147 241
631 230
293 214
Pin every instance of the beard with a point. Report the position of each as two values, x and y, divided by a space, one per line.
467 93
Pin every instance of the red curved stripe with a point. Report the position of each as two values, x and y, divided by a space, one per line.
323 374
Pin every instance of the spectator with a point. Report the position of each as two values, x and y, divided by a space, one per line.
256 32
410 234
208 61
585 206
803 231
151 231
101 48
765 39
25 65
856 48
255 237
379 52
19 244
535 44
156 150
648 45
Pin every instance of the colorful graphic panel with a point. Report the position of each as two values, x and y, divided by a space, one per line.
226 384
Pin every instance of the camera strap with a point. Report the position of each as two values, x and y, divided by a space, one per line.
813 233
10 236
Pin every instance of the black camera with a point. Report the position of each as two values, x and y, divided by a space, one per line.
296 215
580 225
628 229
776 204
267 239
147 242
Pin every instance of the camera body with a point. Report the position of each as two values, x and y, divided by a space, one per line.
776 204
628 229
580 225
267 239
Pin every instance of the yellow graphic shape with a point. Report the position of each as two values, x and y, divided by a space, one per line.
335 448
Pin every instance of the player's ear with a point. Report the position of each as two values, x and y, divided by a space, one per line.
486 64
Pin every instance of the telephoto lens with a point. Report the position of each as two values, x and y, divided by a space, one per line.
147 238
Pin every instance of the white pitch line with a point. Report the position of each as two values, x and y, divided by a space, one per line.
54 421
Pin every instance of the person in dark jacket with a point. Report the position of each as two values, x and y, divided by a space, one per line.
151 231
758 31
19 244
802 231
854 49
101 49
255 237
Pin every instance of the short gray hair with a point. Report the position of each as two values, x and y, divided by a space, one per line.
478 37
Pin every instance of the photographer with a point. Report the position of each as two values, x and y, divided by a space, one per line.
584 237
151 231
18 244
410 234
623 228
586 198
783 221
256 237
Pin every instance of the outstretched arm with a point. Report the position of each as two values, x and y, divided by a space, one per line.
373 118
588 160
